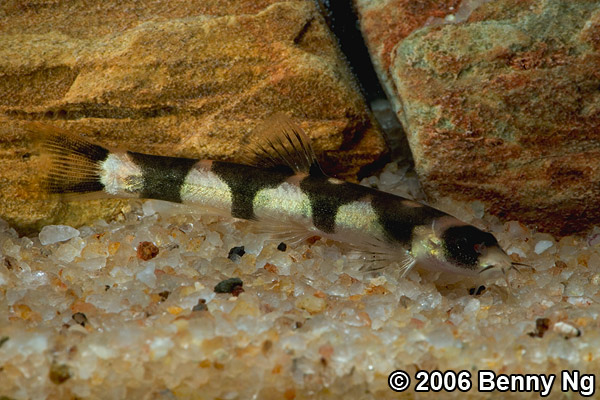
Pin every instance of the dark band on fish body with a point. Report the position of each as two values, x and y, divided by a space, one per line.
460 244
162 176
327 197
246 181
399 220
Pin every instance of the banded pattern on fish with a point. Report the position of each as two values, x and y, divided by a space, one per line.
281 185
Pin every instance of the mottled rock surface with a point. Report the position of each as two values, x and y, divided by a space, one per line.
503 108
385 23
183 78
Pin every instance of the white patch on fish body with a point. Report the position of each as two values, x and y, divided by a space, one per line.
285 200
358 216
205 188
121 176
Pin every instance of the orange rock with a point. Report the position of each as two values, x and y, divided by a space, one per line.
188 79
113 247
276 369
376 290
289 394
23 311
59 284
364 316
271 268
81 306
174 310
326 350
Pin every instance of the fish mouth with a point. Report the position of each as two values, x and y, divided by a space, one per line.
513 266
496 259
486 268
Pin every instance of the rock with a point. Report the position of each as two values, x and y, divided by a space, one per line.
236 253
80 318
147 251
57 233
228 285
385 23
311 304
182 79
59 373
566 330
542 246
503 108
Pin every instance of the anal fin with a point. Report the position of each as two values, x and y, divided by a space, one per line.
377 255
288 231
378 264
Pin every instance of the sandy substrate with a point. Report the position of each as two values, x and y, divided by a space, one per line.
93 313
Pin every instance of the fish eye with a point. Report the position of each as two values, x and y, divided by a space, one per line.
479 247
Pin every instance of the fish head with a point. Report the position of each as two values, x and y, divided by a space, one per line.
473 251
451 245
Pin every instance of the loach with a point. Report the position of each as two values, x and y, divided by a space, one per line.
282 187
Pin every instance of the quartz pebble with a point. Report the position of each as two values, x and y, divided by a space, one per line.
57 233
542 246
566 330
311 304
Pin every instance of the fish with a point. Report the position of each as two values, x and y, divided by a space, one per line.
280 186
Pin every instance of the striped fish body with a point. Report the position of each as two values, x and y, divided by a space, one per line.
285 188
321 204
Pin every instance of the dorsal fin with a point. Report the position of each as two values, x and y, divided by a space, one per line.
278 141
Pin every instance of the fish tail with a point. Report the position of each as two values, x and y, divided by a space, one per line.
77 169
73 165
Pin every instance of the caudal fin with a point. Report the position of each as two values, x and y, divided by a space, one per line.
73 165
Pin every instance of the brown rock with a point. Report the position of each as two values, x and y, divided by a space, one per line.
180 78
505 109
59 373
147 251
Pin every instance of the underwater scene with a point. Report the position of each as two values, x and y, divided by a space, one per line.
305 199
